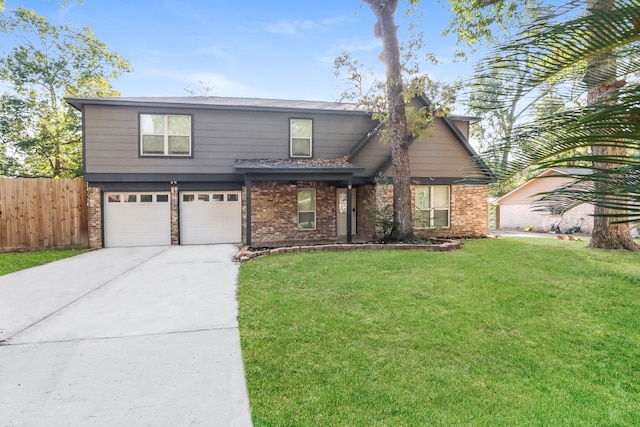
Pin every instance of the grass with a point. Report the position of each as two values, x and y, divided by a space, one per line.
15 261
511 332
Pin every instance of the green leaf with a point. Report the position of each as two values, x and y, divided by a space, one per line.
39 132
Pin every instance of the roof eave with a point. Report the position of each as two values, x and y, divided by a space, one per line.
78 103
294 170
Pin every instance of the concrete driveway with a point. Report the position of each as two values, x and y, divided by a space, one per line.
123 337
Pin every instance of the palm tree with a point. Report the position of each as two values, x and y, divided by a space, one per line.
600 126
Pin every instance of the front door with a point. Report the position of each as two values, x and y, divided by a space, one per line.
341 209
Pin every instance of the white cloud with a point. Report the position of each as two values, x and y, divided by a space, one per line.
146 54
285 27
336 20
350 46
359 45
221 85
163 81
299 27
214 51
182 11
198 38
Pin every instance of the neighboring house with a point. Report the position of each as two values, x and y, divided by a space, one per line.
198 170
518 209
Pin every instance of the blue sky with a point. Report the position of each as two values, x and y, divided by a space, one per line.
249 48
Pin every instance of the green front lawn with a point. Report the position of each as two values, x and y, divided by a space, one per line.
14 261
511 332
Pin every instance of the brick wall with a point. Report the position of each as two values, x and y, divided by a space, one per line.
365 228
469 211
469 216
175 228
368 194
95 218
274 213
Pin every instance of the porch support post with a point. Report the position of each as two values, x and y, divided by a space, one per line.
247 183
349 211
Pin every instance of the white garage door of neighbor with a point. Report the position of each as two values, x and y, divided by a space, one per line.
137 219
208 217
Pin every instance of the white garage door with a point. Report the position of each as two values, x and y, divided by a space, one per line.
137 219
210 217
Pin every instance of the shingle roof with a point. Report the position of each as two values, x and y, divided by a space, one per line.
554 172
574 171
217 102
298 164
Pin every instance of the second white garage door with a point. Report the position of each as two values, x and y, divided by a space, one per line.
208 217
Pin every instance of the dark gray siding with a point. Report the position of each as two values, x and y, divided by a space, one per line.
219 138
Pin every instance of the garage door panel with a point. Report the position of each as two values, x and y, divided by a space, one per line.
210 217
137 219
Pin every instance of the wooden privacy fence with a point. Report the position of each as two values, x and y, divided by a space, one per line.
42 212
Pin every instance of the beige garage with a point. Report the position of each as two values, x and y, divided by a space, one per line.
518 210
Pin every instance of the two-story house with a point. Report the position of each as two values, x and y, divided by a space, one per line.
201 170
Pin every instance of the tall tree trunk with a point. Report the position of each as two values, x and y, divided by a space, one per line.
57 166
600 75
386 30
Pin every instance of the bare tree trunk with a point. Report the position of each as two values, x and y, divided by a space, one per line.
386 30
601 70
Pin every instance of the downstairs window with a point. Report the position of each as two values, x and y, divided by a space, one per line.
432 206
307 209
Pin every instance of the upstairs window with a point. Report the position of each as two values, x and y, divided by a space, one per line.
301 139
165 135
432 206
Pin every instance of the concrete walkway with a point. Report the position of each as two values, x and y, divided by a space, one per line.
124 337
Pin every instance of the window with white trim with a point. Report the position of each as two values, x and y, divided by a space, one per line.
432 206
300 131
165 135
307 209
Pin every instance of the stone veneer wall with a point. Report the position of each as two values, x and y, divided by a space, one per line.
95 217
274 213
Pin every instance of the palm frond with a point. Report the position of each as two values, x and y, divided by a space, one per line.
549 47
